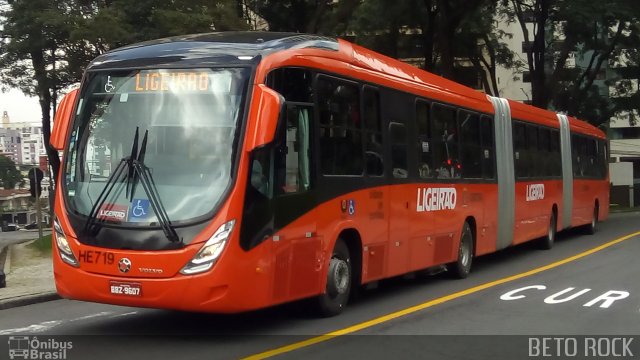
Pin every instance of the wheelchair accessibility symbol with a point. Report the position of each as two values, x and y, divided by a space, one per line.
139 210
351 207
108 87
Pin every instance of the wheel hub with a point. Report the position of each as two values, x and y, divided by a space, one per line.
338 277
465 253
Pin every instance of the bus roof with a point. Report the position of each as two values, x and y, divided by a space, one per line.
208 49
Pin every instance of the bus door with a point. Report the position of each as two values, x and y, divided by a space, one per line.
297 252
422 220
397 112
443 200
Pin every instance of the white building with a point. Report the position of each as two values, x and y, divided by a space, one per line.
511 82
22 142
515 85
10 144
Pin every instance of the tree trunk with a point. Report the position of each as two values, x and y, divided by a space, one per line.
538 77
44 95
428 34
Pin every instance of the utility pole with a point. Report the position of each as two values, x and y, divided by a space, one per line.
38 213
35 177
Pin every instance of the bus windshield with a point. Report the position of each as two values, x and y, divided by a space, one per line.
191 118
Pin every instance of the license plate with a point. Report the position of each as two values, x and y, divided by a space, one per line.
125 288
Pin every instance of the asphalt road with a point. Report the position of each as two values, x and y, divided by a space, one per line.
492 314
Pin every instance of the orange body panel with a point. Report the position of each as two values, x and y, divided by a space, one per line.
532 214
61 120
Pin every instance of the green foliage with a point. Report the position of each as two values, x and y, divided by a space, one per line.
438 31
46 44
9 174
305 16
110 24
596 33
379 26
42 244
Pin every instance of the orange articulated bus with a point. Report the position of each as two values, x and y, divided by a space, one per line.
226 172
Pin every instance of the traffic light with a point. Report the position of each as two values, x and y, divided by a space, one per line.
35 179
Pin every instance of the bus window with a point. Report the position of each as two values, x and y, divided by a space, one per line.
471 145
372 131
341 150
544 157
488 147
592 150
424 140
292 155
531 154
579 155
260 178
554 148
519 149
601 160
294 84
398 133
445 142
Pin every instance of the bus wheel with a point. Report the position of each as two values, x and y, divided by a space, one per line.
591 228
339 280
547 242
462 267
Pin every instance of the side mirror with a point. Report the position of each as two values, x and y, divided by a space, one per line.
61 120
266 107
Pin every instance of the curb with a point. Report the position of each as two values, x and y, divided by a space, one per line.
28 300
7 260
624 211
4 259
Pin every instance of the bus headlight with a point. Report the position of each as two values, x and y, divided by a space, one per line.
63 245
207 256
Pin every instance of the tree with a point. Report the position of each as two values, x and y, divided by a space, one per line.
447 33
594 33
33 37
46 44
115 23
451 13
483 43
304 16
9 174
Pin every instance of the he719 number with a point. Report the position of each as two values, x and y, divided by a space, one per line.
97 257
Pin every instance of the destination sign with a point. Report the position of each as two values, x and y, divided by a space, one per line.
175 80
162 80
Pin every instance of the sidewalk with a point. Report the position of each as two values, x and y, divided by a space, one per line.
29 277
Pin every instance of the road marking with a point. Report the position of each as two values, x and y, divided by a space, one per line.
431 303
48 325
124 314
43 326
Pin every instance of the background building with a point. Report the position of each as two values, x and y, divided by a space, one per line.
22 142
10 144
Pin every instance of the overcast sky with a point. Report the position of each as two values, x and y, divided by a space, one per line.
20 107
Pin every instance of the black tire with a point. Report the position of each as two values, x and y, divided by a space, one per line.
462 267
547 242
339 282
591 227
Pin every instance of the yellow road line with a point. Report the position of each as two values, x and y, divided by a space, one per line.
428 304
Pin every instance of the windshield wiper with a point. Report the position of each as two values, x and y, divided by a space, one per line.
89 226
109 185
142 173
136 171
